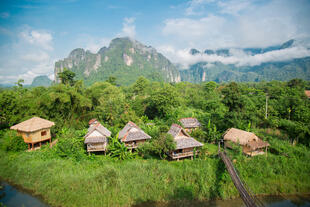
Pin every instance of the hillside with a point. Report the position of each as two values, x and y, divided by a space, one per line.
125 59
266 71
42 80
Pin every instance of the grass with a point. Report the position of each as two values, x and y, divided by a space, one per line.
99 181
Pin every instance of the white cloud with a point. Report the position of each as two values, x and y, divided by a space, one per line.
238 57
234 7
39 38
196 7
129 28
36 57
27 56
238 23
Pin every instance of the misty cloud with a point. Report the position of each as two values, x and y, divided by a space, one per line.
237 56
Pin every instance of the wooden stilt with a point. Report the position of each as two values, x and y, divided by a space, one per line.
28 146
32 147
40 144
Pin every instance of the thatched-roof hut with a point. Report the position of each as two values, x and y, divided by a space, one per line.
252 145
132 135
190 123
307 93
34 130
185 144
96 138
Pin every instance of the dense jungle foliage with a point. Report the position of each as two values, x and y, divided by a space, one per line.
122 178
217 107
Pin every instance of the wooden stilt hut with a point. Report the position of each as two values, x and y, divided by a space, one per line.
189 124
251 144
96 138
34 130
132 135
185 144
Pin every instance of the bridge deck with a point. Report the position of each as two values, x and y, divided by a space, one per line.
247 198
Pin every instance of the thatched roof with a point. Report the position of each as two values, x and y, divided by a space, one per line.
92 121
187 142
33 124
100 136
307 92
182 139
257 144
244 138
131 132
190 122
175 130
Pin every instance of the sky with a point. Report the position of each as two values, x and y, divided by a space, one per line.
36 33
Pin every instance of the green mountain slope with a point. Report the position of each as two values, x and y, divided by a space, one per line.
42 80
125 59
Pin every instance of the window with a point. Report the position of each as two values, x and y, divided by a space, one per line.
43 133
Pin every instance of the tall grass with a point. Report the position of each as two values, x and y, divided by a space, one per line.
100 181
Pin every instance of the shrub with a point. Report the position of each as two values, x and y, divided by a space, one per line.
12 142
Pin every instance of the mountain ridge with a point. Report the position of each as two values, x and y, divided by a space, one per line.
127 59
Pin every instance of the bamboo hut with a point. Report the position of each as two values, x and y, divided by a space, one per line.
251 144
96 138
132 135
185 144
34 130
307 93
190 123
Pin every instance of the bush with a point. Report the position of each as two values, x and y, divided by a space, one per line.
12 142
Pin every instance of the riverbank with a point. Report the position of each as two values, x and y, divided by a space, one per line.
100 181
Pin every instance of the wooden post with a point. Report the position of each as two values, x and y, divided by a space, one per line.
32 147
28 146
40 144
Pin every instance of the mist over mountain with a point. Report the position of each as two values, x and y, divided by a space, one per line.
127 59
281 62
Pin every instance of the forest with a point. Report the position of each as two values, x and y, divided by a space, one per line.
278 112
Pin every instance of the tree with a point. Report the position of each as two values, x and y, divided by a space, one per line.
112 80
162 101
140 85
67 77
20 82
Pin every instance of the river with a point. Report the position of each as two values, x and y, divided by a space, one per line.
11 196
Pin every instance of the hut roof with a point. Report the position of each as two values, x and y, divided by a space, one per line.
184 140
33 124
307 92
175 130
190 122
187 142
91 137
239 136
92 121
244 138
131 132
257 144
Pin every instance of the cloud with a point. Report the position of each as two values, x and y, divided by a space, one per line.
238 57
4 15
26 56
238 23
129 28
196 7
39 38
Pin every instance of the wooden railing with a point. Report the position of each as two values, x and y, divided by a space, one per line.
182 154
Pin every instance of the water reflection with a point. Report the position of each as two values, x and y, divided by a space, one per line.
11 197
